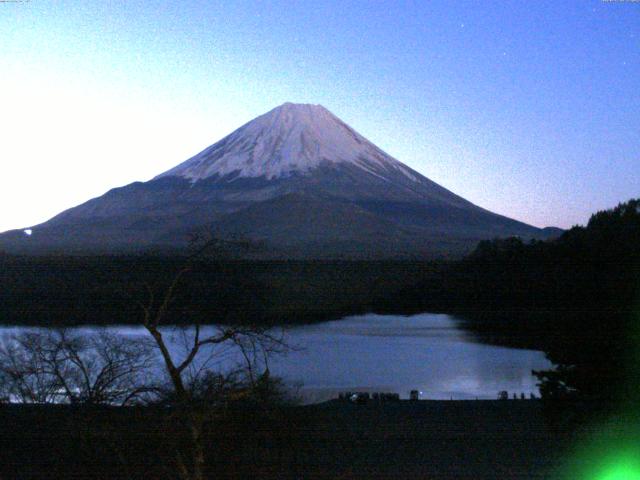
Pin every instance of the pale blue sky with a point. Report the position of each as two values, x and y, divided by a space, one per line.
530 109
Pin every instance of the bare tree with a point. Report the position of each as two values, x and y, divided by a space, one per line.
25 378
57 366
195 389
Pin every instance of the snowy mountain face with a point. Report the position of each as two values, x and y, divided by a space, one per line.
290 139
297 180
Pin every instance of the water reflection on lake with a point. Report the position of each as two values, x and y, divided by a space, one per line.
426 352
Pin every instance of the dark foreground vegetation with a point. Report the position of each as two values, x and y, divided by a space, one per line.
444 440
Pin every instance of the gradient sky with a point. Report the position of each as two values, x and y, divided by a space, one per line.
528 108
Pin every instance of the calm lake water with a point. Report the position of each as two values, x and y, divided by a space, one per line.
426 352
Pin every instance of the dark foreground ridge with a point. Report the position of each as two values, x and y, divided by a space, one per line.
421 439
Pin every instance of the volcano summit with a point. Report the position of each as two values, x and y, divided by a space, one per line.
297 180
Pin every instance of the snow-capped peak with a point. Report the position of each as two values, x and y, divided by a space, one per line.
291 138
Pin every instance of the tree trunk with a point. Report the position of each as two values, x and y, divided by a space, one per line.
195 429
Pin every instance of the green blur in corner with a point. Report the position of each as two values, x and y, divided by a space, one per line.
622 466
607 450
607 458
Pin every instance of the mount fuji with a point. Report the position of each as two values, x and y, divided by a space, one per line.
297 180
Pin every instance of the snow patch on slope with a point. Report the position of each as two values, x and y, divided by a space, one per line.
290 139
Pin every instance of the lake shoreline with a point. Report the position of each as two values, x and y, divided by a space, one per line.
428 353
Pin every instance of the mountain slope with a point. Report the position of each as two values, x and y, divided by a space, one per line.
297 179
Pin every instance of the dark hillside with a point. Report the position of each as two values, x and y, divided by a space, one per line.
58 290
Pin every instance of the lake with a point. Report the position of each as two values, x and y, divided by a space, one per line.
426 352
